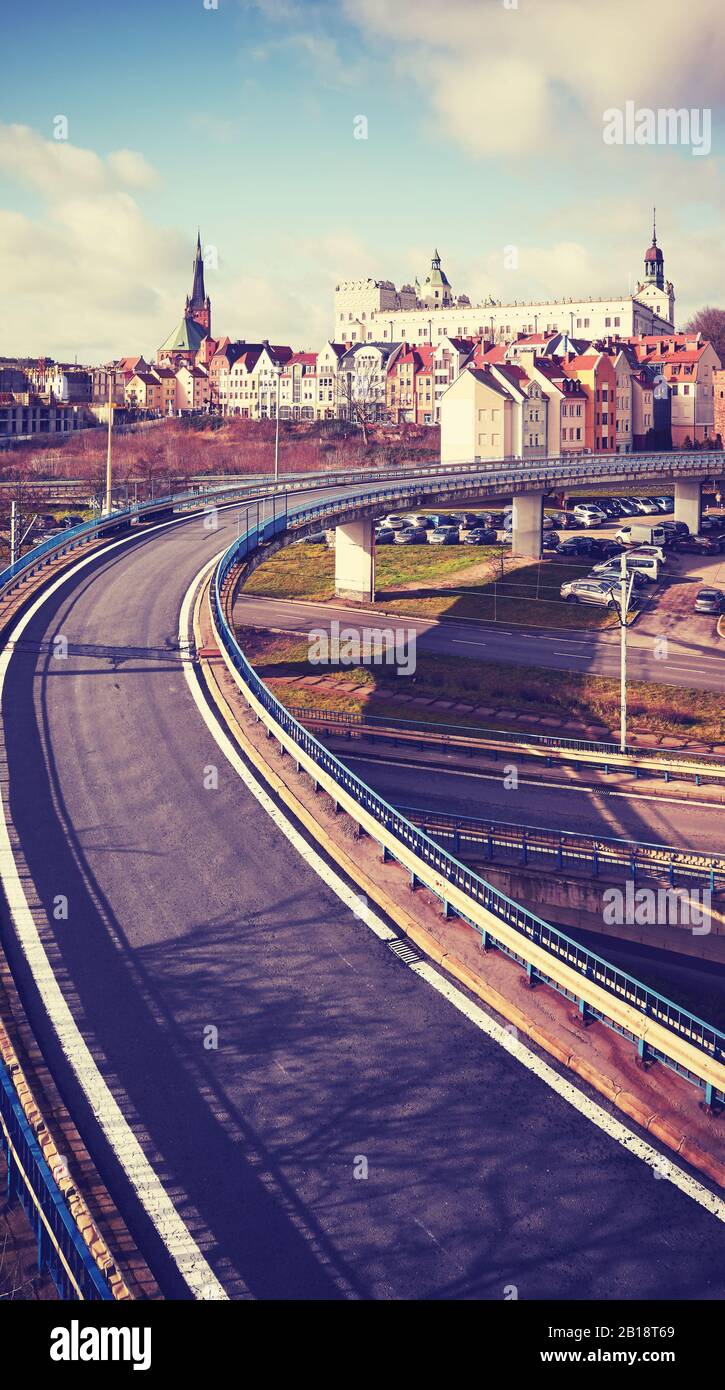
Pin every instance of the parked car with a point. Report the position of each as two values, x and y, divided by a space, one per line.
647 565
601 549
444 519
384 535
627 506
315 538
640 534
551 541
709 601
665 503
419 519
587 514
494 519
444 535
570 545
612 573
562 520
698 545
411 535
481 535
675 529
588 591
656 550
395 522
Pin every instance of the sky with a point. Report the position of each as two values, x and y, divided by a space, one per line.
124 127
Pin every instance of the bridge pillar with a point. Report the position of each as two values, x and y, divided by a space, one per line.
528 514
688 503
355 561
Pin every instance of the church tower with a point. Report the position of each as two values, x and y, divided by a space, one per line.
656 293
198 304
654 261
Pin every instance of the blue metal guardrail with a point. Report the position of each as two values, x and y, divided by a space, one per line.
506 474
680 1022
372 722
565 848
61 1248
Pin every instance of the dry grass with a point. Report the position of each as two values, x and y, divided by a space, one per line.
440 581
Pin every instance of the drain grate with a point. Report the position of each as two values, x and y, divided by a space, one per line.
404 952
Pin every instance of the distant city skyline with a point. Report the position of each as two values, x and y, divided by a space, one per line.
484 128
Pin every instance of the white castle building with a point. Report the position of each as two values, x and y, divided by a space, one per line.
375 311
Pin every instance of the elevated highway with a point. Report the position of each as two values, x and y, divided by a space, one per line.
232 1037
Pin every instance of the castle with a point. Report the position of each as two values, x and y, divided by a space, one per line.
428 310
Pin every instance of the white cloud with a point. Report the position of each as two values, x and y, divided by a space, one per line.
131 169
500 79
92 275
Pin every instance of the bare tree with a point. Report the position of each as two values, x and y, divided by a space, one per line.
710 322
361 396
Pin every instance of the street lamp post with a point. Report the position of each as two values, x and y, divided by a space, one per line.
109 480
625 594
278 373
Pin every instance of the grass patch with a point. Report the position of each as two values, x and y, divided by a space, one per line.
440 581
565 695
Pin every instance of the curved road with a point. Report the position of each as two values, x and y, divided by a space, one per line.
189 911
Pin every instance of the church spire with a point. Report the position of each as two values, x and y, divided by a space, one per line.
198 304
196 300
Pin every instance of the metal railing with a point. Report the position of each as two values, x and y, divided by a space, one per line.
561 849
531 930
61 1247
459 476
672 761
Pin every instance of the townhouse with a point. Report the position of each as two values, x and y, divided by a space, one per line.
298 387
687 364
595 371
476 418
362 381
143 392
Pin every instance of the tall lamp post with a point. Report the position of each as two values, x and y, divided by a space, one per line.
623 603
278 373
109 480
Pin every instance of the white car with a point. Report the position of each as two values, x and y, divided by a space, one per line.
647 565
655 550
395 522
587 514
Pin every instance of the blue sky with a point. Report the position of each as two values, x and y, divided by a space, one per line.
484 130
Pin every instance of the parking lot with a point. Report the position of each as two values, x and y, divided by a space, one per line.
666 607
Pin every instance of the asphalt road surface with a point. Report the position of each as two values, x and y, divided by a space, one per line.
188 910
650 818
596 653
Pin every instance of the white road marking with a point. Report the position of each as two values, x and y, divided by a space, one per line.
577 1099
183 1249
545 783
610 1126
355 901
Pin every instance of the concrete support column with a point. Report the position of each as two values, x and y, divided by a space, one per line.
355 561
528 514
688 503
